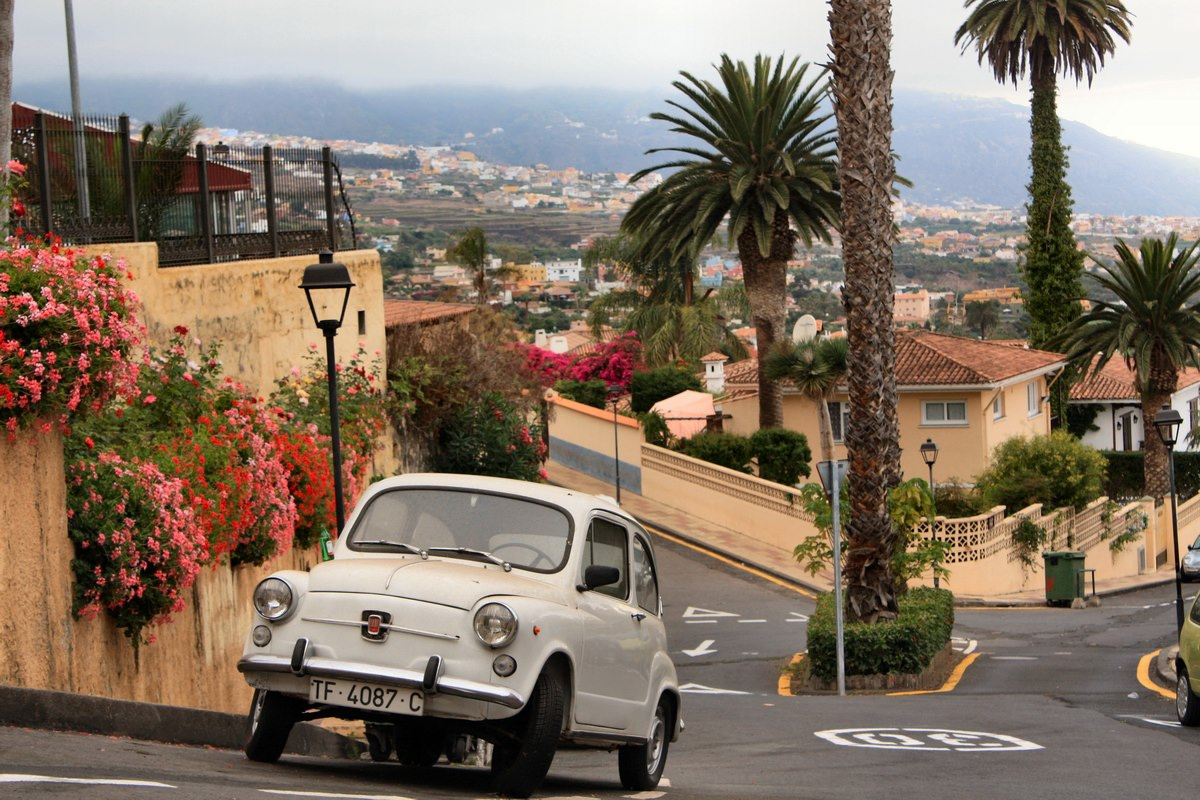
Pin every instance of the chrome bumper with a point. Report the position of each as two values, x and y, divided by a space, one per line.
370 673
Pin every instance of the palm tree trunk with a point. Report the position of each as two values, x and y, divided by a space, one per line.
861 35
766 288
1163 379
825 427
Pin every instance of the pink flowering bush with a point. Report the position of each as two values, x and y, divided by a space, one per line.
546 367
613 362
139 543
68 332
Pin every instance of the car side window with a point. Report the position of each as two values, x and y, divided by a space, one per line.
644 578
608 545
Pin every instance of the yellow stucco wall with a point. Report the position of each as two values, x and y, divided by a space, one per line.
255 309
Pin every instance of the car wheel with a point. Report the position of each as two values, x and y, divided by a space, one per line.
519 765
641 765
416 750
271 719
1187 704
379 742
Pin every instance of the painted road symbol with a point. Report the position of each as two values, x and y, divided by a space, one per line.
696 688
926 739
703 649
693 614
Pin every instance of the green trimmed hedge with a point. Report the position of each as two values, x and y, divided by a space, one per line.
903 646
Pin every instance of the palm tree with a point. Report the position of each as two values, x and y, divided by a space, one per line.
983 314
472 250
814 367
764 161
159 168
659 304
1044 38
861 40
1153 324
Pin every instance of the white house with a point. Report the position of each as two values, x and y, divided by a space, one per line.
1119 421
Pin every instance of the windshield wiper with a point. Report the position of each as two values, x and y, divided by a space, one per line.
470 551
405 546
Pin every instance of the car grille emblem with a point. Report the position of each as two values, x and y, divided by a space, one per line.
375 625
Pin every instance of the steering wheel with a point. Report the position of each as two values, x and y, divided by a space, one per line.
539 555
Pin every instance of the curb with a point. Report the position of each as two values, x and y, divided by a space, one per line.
62 711
1032 602
1164 665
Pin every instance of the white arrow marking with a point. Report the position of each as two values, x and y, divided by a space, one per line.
10 777
693 612
703 649
1014 658
695 688
332 796
796 616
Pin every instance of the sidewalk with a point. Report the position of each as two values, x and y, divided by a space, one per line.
778 562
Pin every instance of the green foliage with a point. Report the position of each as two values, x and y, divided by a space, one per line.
725 449
1028 539
953 499
651 385
655 429
783 455
901 646
1081 418
592 392
1124 475
1056 470
491 437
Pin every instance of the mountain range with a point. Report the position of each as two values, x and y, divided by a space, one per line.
954 149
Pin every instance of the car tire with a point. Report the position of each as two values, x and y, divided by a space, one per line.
519 765
416 748
1187 704
641 765
379 742
271 719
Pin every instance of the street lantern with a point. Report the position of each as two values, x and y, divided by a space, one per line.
614 393
1167 422
929 454
327 285
831 474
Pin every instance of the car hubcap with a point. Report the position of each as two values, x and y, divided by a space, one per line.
259 699
1182 695
654 751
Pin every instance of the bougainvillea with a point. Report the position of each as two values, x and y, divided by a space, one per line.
67 334
547 367
492 437
613 362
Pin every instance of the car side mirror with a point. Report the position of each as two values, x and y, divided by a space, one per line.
598 575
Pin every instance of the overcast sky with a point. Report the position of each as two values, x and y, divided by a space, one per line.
1148 92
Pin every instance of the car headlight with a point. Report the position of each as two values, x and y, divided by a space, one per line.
1191 559
273 599
495 624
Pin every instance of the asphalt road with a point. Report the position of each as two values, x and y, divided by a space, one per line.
1051 704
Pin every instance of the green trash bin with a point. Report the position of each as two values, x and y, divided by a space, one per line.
1064 575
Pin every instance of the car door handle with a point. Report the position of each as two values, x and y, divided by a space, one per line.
639 616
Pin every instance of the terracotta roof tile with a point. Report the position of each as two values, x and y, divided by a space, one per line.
420 312
1115 382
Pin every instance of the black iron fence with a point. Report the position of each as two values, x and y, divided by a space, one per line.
90 182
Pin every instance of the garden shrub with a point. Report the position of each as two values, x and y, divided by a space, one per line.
783 455
491 437
1125 479
649 386
954 499
726 449
905 645
592 393
1056 470
655 430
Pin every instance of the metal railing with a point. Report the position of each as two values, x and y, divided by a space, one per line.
205 205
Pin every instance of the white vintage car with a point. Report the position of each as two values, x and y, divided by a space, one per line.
521 614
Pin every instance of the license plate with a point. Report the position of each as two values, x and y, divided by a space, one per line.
367 695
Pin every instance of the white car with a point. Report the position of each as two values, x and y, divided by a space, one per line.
521 614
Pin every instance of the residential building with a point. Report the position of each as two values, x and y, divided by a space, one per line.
1118 422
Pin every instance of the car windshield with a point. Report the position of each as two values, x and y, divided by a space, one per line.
464 524
1195 545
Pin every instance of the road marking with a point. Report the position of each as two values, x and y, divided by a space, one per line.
1152 721
785 677
766 576
964 646
13 777
702 649
951 683
334 795
696 688
750 621
696 613
927 740
700 622
796 616
1014 658
1143 675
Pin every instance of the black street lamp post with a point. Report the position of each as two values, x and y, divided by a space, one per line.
614 391
326 279
1167 422
929 454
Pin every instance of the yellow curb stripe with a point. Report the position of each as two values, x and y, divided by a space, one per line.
752 570
951 682
785 678
1143 675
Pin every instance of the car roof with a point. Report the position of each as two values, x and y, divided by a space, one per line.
573 501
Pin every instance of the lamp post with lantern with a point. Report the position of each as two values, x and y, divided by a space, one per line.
329 282
1167 422
929 454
